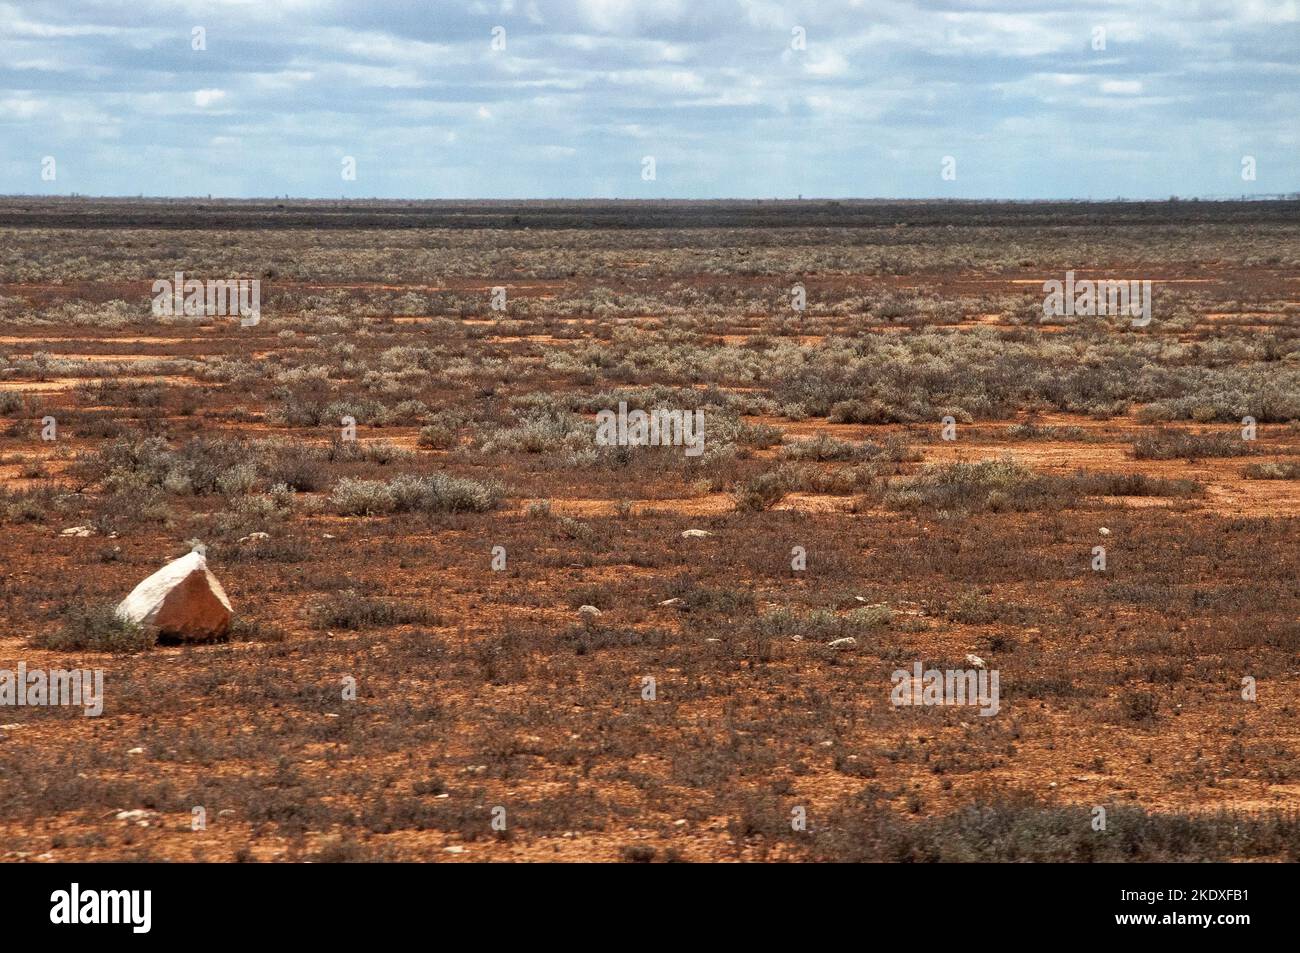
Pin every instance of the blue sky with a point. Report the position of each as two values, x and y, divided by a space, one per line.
717 91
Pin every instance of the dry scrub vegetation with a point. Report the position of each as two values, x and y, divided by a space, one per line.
475 429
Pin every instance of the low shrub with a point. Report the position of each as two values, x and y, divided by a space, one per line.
438 493
1279 470
1183 444
97 629
761 492
350 610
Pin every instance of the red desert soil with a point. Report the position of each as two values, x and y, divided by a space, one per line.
489 689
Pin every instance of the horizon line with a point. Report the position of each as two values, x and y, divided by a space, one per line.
1218 197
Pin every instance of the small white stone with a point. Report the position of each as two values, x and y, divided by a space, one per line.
974 661
845 643
695 533
136 751
588 611
1104 531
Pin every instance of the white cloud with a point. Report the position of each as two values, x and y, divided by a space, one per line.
21 107
1122 87
822 61
625 16
204 98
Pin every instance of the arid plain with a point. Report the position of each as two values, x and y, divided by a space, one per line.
440 560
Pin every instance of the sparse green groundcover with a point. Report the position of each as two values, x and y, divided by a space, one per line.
1016 832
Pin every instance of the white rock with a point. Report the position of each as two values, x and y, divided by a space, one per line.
671 602
974 661
1104 531
695 533
454 849
183 600
136 815
844 643
252 537
591 611
81 532
136 751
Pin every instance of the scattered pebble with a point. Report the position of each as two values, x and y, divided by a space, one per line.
695 533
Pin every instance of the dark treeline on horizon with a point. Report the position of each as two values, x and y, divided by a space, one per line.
284 213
